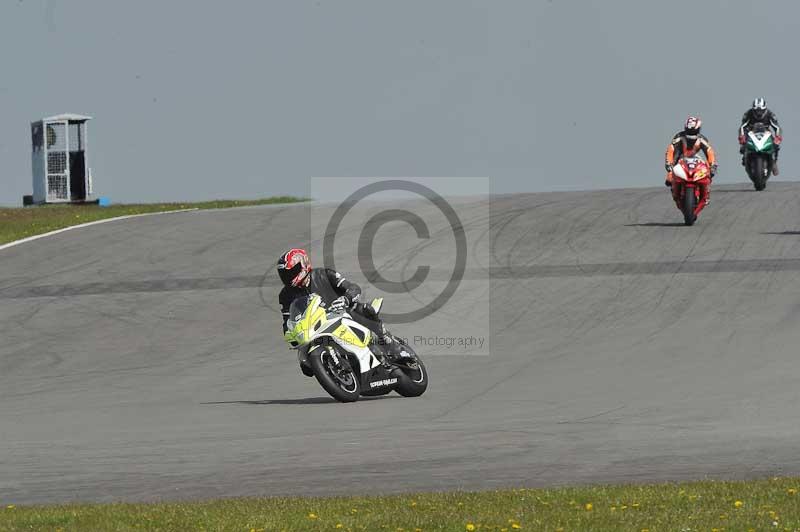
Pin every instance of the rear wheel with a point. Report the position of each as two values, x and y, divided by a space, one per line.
335 374
412 376
689 204
378 392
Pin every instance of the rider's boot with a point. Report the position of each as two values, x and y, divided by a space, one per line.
775 167
392 346
676 196
389 354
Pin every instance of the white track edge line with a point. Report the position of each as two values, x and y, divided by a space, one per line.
87 224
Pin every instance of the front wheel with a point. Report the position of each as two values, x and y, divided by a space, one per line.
759 171
335 374
689 204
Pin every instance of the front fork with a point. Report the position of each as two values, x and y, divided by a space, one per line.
699 189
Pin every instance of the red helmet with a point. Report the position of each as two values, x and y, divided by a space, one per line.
293 267
693 125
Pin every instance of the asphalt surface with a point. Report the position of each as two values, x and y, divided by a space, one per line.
142 360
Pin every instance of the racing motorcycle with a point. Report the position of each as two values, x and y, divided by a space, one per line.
345 358
759 155
691 176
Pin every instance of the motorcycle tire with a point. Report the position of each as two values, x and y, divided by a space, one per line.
759 169
376 393
411 382
339 380
689 204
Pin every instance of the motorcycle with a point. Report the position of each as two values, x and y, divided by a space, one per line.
343 356
691 178
759 155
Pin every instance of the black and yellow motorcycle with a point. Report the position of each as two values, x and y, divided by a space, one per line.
344 356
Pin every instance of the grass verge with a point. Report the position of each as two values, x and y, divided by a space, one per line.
19 223
754 505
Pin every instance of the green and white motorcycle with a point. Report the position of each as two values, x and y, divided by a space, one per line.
759 155
343 356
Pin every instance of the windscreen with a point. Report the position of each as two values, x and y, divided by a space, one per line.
296 310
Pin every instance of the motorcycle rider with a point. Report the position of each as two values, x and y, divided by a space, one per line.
760 114
687 143
300 279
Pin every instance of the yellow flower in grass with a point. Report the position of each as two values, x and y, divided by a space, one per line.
588 506
339 525
516 526
738 504
792 491
10 507
470 527
313 516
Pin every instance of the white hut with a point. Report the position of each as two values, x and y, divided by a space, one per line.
60 162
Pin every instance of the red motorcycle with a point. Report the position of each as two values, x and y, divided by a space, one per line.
690 183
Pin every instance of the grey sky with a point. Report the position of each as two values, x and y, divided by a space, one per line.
198 99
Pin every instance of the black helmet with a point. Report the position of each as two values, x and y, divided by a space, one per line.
293 267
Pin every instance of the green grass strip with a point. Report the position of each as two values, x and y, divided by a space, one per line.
19 223
754 505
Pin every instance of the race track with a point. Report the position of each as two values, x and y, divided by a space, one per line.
142 360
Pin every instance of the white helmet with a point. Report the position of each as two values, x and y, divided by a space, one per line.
760 107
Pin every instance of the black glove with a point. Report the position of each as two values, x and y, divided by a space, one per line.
367 311
667 184
713 170
668 167
339 304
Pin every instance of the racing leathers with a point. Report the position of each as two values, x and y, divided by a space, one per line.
334 290
686 144
750 120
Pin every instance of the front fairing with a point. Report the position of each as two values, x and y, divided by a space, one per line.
691 170
309 325
306 317
760 142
